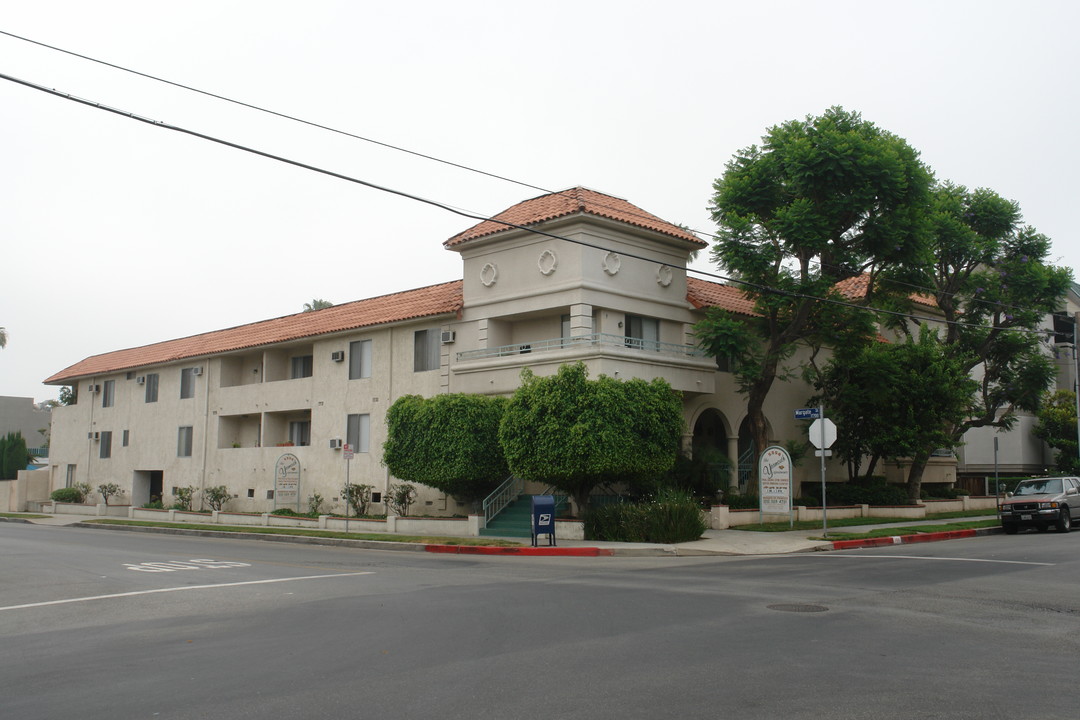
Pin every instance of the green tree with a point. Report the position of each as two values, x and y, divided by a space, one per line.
822 200
892 399
317 304
13 455
1057 428
448 442
217 496
575 433
69 395
3 338
107 491
994 287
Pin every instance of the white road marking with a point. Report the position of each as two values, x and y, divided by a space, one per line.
174 565
920 557
179 589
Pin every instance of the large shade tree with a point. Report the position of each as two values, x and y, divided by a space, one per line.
994 288
448 442
821 200
1057 428
575 433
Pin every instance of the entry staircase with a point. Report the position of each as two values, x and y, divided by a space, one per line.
508 511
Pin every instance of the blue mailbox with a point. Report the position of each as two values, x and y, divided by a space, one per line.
543 518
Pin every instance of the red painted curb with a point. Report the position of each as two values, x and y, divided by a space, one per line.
527 551
904 539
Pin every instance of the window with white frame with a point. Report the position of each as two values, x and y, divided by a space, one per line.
425 350
108 393
151 387
187 383
642 332
359 359
69 476
300 432
105 444
358 432
183 441
303 366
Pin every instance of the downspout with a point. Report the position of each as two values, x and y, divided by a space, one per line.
206 427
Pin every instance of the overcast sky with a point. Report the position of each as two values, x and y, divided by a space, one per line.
116 233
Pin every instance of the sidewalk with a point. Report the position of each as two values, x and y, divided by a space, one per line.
714 542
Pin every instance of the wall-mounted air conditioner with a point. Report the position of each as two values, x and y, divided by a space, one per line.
196 371
95 436
337 355
335 443
448 336
140 380
93 388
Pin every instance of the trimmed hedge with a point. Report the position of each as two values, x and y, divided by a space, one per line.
671 517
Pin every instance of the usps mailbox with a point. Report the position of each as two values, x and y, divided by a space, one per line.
543 518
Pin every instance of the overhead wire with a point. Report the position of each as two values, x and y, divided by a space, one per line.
599 203
762 289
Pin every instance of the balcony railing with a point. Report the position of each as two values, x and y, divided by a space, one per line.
583 341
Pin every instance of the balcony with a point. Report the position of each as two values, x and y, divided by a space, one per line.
496 369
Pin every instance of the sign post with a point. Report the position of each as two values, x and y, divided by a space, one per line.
823 435
347 453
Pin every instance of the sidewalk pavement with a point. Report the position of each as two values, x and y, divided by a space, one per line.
714 542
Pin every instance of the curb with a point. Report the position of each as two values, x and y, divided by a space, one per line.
910 539
526 551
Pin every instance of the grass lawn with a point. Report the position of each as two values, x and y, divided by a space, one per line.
910 530
28 516
847 522
259 530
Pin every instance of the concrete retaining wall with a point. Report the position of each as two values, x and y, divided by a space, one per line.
721 516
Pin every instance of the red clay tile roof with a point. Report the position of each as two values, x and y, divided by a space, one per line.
855 288
569 202
702 294
412 304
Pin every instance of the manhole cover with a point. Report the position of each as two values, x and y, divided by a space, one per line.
797 608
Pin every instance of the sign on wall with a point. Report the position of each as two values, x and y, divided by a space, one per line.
287 482
774 471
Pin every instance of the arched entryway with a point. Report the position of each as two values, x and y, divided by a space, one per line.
712 447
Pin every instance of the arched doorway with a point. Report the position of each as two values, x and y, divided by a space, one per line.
711 449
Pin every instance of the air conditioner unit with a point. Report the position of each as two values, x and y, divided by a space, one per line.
95 436
335 443
448 336
140 380
93 388
337 355
196 371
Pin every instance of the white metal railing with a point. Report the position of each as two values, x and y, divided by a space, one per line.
502 496
595 340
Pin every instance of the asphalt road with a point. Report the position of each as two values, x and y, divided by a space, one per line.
105 624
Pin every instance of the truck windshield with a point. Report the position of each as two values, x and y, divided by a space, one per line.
1049 486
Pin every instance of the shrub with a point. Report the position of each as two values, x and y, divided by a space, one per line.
671 517
400 498
68 495
154 505
289 512
942 492
108 490
184 496
217 496
358 497
863 491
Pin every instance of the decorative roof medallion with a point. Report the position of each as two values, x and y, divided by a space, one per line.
664 275
489 274
612 263
547 262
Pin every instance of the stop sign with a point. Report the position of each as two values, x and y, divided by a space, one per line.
819 426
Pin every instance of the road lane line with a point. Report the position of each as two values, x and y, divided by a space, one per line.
178 589
922 557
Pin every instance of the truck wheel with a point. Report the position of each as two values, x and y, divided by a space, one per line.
1010 528
1064 523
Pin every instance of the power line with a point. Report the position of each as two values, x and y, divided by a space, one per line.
762 289
461 166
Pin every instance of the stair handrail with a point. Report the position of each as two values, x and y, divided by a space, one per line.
502 496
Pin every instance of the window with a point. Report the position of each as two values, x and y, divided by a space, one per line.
124 439
302 366
183 442
358 432
425 350
151 387
642 332
300 432
359 359
564 328
105 444
187 383
108 393
69 477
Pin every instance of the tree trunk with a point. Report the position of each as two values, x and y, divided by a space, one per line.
914 482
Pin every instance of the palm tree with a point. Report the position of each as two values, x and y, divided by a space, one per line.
317 304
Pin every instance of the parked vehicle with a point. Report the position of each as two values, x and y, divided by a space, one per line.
1040 503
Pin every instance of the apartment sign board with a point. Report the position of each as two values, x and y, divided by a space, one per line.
774 471
287 482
